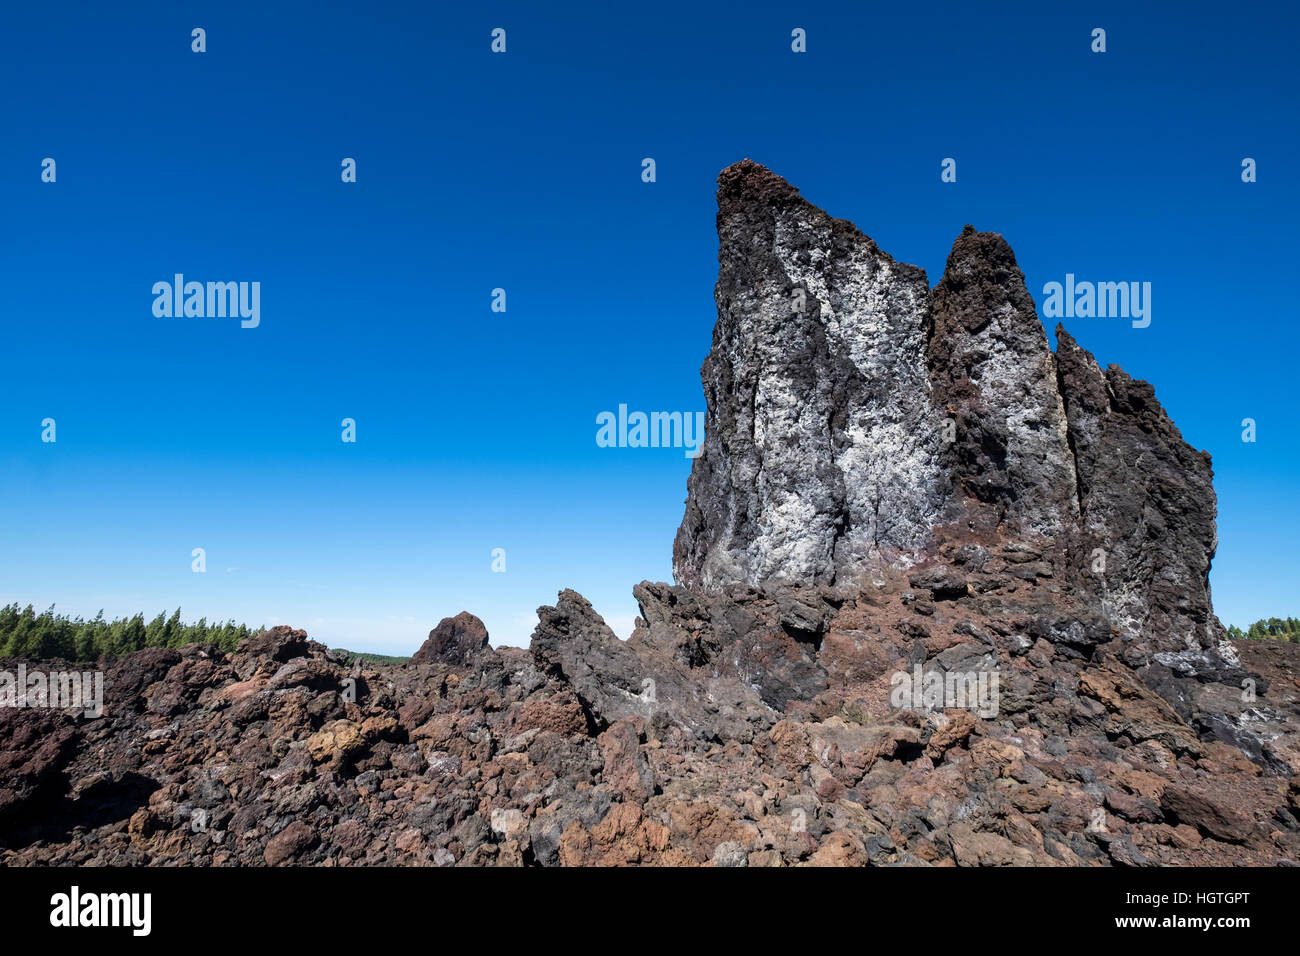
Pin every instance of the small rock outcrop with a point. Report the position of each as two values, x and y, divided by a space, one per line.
456 640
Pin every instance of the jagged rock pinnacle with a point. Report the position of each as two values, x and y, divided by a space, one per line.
856 420
822 452
748 182
992 372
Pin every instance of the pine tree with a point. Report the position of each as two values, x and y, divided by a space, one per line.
21 642
87 641
172 630
8 621
153 634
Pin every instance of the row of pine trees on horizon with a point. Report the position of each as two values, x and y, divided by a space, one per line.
1274 629
46 636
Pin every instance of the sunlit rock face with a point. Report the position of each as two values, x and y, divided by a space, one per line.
857 420
823 451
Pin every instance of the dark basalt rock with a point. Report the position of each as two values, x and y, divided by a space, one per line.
281 643
456 640
993 374
1148 508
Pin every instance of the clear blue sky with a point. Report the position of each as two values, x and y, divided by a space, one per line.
476 430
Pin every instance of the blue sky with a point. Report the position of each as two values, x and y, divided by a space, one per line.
476 430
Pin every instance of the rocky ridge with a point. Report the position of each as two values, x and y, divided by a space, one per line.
746 729
897 484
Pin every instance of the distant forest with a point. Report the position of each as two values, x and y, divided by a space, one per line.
24 633
1274 629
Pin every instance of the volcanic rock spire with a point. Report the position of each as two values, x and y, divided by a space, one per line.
856 420
993 374
1148 508
822 450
